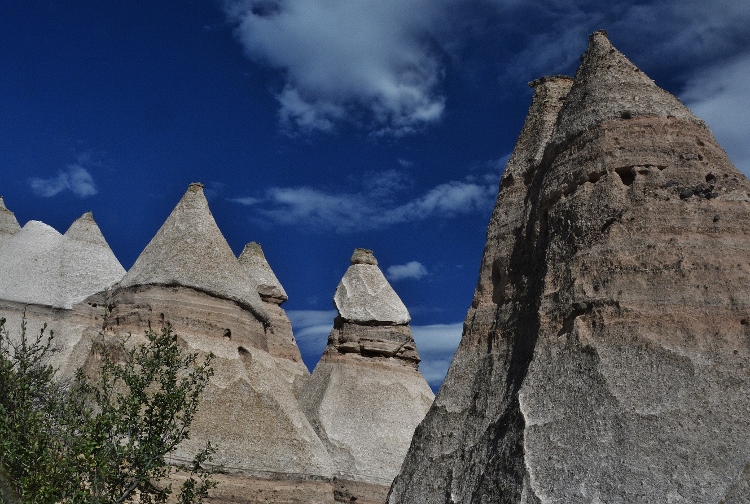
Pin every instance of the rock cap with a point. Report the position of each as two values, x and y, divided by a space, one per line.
363 256
189 250
365 296
256 267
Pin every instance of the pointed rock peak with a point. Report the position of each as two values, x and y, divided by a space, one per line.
8 223
609 87
363 256
189 250
85 229
264 280
365 296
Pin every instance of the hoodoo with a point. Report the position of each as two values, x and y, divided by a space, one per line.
189 278
605 355
366 395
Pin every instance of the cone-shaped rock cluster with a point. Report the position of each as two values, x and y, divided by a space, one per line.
368 371
40 266
605 354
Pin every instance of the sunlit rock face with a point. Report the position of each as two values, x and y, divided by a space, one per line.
188 277
56 280
366 395
605 356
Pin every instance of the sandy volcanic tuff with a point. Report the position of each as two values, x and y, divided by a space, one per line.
189 250
189 278
605 356
366 395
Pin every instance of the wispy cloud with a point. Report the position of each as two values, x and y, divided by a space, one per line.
74 178
375 206
311 329
413 270
720 96
372 62
436 345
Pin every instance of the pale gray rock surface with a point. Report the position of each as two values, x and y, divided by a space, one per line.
189 250
366 395
40 266
364 295
256 267
188 278
605 356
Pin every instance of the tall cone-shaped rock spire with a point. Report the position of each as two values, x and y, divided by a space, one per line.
8 223
189 250
604 357
368 370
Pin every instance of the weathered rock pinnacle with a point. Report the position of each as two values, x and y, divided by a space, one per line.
604 356
368 370
256 267
40 266
365 296
189 250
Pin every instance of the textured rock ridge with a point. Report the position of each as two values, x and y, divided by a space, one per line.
189 250
368 371
605 355
8 223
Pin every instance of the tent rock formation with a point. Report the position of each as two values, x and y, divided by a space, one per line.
605 354
368 371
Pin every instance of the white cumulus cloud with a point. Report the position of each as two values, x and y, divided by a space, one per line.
413 270
342 57
74 178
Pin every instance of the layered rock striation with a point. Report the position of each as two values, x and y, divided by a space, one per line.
366 395
188 277
605 355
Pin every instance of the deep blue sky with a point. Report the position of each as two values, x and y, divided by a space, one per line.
319 126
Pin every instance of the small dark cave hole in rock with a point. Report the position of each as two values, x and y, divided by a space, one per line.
626 175
227 334
710 178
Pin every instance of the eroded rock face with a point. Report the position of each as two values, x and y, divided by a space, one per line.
256 267
188 278
366 395
605 356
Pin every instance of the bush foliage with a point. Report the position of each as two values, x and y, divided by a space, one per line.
106 436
